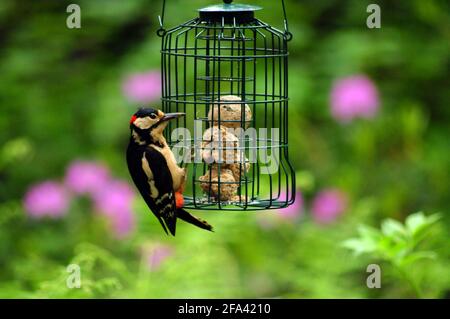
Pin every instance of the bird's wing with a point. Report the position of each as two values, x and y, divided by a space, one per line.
161 192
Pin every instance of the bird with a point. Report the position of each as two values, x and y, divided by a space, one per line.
154 170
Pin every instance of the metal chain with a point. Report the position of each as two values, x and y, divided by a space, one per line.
161 31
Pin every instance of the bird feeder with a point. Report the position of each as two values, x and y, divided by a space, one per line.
228 72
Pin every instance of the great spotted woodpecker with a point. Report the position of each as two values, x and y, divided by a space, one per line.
154 170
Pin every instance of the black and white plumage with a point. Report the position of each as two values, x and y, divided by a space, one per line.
154 170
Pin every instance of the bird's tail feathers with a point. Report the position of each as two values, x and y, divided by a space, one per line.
171 223
191 219
163 224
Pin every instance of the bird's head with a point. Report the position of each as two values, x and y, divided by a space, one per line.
148 124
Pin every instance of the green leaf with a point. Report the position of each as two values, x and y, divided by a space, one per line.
415 256
418 220
359 246
369 232
414 222
417 224
366 243
393 229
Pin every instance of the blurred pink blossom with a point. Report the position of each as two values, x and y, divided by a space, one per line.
156 255
295 210
352 97
328 205
143 87
269 219
48 198
86 177
115 201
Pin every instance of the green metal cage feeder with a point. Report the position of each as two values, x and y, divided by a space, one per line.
228 71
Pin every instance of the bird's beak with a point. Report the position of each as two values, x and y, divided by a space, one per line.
171 116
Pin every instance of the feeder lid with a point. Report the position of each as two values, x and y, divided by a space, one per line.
229 11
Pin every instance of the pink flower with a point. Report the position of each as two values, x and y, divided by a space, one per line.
115 201
156 255
86 177
293 211
328 205
352 97
270 219
143 87
48 198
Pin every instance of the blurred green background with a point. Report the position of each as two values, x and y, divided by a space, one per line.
66 96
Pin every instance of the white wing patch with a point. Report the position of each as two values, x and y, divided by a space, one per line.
153 190
151 182
163 197
169 208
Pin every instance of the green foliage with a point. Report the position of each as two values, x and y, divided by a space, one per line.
397 244
102 275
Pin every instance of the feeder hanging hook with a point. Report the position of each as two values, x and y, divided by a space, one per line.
161 31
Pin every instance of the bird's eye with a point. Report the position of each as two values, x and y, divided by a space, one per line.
153 116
